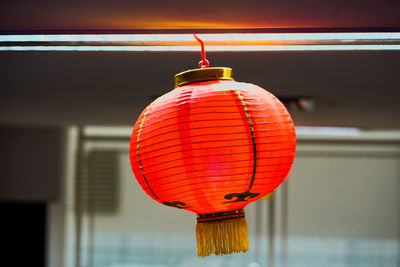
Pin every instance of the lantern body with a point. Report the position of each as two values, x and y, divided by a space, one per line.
212 146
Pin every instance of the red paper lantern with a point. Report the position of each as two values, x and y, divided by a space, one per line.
211 146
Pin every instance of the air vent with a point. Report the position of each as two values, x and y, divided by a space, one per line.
101 182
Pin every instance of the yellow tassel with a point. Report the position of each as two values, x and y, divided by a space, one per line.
222 234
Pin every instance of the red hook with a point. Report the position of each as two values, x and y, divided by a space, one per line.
203 63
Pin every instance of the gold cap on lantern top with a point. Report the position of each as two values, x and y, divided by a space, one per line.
206 74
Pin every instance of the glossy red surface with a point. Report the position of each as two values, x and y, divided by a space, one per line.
212 146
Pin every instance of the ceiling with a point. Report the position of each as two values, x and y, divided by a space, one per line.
350 88
206 14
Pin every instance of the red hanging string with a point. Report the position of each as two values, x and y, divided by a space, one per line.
203 63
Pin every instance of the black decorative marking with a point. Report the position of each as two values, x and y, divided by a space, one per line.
176 204
253 137
241 197
137 150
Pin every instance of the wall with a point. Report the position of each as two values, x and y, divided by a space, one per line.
343 206
30 163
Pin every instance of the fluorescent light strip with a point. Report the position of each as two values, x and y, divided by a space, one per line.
302 132
209 48
104 131
332 131
206 37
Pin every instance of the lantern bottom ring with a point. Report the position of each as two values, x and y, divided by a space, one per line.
226 215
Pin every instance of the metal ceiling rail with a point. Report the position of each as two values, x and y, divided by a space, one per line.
202 31
215 42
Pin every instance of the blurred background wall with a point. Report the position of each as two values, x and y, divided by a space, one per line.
340 206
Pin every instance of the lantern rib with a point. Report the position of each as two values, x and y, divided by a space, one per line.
210 155
216 126
166 107
216 196
169 161
224 175
291 132
221 126
202 113
243 153
174 174
169 153
239 187
223 92
208 107
189 197
223 140
212 112
263 165
183 190
205 141
170 102
235 206
213 147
